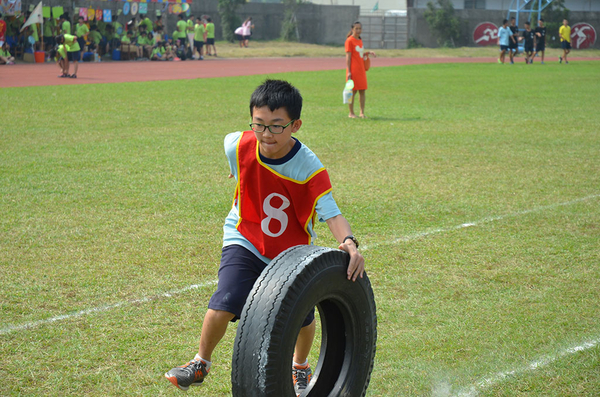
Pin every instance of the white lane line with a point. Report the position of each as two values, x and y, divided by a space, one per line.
532 366
415 236
12 328
105 308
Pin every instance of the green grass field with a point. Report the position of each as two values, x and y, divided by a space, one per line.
474 188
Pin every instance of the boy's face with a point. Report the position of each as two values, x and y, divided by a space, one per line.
274 146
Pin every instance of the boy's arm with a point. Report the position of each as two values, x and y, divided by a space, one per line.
340 228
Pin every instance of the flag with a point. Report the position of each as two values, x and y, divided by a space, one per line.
376 7
35 17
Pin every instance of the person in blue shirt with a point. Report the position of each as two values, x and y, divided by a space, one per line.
504 37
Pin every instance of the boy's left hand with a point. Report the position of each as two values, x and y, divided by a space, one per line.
356 267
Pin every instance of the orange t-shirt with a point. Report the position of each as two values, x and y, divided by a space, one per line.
357 64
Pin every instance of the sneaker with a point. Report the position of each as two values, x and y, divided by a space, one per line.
559 59
190 374
499 60
542 62
302 376
73 76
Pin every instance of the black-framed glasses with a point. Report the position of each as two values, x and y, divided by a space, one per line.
273 129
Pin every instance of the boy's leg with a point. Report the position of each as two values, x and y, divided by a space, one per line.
213 328
75 67
304 342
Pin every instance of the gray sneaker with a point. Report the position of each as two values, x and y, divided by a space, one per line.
301 377
190 374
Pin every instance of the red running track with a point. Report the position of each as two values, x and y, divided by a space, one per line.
24 75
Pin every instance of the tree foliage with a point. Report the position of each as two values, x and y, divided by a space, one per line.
289 26
229 19
443 23
553 16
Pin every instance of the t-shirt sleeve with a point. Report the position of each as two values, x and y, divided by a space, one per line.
230 145
327 207
348 45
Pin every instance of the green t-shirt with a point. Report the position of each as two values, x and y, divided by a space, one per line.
158 50
199 32
71 43
118 28
125 39
143 40
210 30
66 27
49 28
181 27
62 50
190 26
34 31
95 36
81 30
4 53
101 27
148 23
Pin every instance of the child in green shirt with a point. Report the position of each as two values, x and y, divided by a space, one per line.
210 37
5 57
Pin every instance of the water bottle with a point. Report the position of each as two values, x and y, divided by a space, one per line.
347 93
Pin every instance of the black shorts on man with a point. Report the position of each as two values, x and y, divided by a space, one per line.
503 47
565 45
210 41
198 45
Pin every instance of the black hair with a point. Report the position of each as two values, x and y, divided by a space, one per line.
504 21
52 53
541 19
60 39
527 23
180 16
352 28
209 19
277 94
512 18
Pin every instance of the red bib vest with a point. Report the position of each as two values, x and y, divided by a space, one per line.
275 211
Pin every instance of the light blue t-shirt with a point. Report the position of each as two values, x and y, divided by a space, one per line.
504 34
299 164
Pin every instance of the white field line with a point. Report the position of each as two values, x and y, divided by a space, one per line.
542 362
105 308
479 222
12 328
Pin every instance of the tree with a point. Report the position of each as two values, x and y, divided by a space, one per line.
553 16
229 19
443 23
289 26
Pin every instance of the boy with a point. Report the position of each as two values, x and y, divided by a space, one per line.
504 36
81 31
528 37
199 35
144 45
565 40
210 37
540 40
513 45
266 219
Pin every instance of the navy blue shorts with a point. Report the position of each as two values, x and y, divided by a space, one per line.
503 47
73 56
565 45
238 271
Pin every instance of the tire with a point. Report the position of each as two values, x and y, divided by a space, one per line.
290 286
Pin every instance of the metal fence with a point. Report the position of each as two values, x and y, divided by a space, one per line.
379 31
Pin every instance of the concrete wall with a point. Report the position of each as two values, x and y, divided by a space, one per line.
418 28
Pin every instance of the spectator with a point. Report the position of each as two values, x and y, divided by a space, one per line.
65 24
5 56
49 33
199 37
81 31
210 37
181 30
355 67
